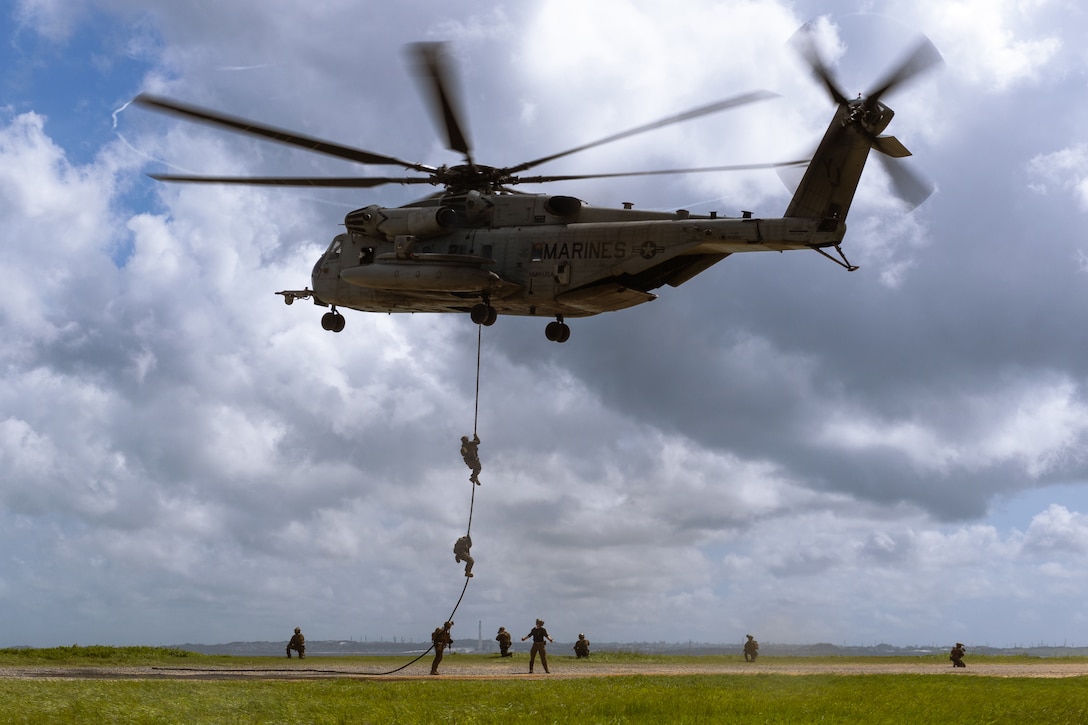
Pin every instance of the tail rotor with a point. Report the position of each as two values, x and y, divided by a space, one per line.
868 115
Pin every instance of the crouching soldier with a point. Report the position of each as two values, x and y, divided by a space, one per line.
504 639
956 655
298 644
581 647
751 649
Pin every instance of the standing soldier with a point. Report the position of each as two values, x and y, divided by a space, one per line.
297 643
751 649
470 452
539 634
440 638
504 639
956 655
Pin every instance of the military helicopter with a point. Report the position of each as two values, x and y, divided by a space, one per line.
480 247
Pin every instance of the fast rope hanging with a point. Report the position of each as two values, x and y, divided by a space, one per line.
472 500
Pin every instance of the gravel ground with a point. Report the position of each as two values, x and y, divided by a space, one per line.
562 668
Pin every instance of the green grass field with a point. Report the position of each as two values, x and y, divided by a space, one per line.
744 698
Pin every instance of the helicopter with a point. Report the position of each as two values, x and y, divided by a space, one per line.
482 248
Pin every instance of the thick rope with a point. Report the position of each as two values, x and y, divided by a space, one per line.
479 347
475 419
472 501
429 649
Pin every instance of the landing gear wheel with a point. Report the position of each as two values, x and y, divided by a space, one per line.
333 321
483 314
557 331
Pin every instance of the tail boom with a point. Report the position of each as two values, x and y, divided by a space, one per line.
828 186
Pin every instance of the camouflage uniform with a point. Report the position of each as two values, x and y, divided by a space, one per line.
581 647
460 553
440 638
751 649
956 655
504 639
297 643
471 455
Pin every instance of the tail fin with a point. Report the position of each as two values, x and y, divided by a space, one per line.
827 188
832 177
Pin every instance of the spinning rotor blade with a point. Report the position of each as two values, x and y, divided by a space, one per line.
922 58
741 100
252 128
434 72
662 172
805 44
909 186
343 182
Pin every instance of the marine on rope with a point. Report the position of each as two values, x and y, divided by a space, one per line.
470 452
461 553
441 638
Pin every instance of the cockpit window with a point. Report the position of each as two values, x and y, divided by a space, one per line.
334 250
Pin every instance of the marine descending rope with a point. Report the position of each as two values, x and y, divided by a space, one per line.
471 505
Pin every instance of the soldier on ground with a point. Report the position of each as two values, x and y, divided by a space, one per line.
539 634
297 643
751 649
504 639
440 638
460 553
471 454
956 655
581 647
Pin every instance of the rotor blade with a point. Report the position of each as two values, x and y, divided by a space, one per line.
909 186
804 43
741 100
662 172
346 182
252 128
922 58
434 72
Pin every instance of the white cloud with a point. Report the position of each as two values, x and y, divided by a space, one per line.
775 446
1066 168
1038 426
54 19
996 45
1056 531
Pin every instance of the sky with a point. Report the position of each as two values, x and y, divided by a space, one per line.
778 447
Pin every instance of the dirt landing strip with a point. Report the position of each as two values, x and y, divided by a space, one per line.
499 670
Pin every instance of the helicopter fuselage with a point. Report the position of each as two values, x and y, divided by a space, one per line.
535 255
